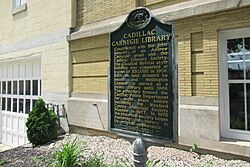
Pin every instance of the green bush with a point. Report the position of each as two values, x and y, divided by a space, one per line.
42 124
2 162
68 155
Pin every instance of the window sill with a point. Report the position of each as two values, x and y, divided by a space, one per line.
19 9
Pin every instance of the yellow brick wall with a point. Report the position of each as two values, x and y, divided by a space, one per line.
55 68
90 11
41 17
154 4
205 63
90 60
197 54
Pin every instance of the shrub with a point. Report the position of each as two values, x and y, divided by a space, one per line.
68 155
42 124
2 162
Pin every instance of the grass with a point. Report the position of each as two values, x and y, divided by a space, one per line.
2 162
208 164
68 155
96 161
194 147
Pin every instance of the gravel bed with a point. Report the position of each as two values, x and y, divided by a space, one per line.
112 151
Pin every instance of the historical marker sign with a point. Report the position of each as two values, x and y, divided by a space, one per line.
141 76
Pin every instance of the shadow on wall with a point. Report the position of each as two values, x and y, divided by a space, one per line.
99 115
62 116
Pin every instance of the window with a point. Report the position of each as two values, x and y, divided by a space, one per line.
17 3
20 106
9 87
3 104
19 94
235 83
238 72
35 87
8 104
3 87
34 103
21 87
14 105
27 106
27 87
15 87
18 6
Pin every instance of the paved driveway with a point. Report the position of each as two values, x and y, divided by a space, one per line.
4 147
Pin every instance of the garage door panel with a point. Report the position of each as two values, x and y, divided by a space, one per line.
4 121
1 71
3 136
10 71
21 125
9 122
21 140
15 70
15 123
28 69
15 139
18 91
36 69
5 71
21 70
8 138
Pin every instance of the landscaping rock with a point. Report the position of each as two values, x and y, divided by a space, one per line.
113 151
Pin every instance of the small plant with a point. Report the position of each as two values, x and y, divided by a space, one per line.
193 148
42 124
2 162
68 155
96 161
153 163
149 163
208 164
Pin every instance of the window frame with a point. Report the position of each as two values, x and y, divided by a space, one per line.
18 6
224 84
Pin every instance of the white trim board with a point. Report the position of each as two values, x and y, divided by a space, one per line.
198 107
44 39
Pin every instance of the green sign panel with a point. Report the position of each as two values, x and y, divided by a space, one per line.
141 76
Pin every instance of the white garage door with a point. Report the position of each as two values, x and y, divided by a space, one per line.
20 84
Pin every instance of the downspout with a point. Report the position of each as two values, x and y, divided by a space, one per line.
238 4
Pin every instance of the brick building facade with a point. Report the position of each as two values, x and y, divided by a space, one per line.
33 61
212 49
204 101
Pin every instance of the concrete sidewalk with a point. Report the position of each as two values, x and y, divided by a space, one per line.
4 147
